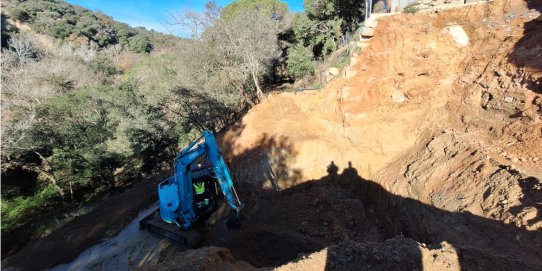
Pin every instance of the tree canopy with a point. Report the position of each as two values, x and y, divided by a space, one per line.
272 8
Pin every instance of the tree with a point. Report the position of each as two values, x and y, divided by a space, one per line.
321 36
22 48
324 22
87 52
75 128
232 57
140 43
300 61
272 8
247 44
349 11
195 22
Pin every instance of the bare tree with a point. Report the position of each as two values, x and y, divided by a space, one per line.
195 22
232 53
113 52
87 52
22 48
248 43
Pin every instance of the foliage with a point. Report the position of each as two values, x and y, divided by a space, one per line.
64 21
273 8
103 65
410 9
230 60
300 61
319 35
324 22
20 15
140 43
15 212
342 62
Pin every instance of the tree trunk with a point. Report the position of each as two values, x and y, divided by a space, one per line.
259 92
50 177
71 191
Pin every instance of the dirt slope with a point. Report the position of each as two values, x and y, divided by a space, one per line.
454 169
467 140
495 77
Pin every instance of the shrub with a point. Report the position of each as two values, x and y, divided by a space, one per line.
410 9
21 209
20 15
140 44
300 62
104 66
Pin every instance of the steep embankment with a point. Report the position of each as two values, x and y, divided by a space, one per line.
494 78
465 140
355 119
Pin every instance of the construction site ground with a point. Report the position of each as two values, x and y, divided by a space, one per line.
426 154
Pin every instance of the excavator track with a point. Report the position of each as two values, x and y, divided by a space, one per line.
155 224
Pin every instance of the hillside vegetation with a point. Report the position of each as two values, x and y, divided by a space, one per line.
91 105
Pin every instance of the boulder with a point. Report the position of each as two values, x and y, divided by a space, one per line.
367 31
459 35
333 71
398 97
370 23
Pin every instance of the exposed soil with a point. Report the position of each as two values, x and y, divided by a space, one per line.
457 160
448 178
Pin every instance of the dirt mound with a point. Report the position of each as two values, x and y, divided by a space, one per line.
279 226
290 138
207 258
392 254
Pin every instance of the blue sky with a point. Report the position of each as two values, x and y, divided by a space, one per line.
154 14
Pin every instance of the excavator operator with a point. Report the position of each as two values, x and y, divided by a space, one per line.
201 198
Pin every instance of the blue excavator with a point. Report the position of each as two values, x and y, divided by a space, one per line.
192 194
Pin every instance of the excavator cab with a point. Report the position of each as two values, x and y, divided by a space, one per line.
205 192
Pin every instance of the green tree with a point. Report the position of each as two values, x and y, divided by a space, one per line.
75 128
324 22
140 43
103 65
321 36
300 61
20 14
271 8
